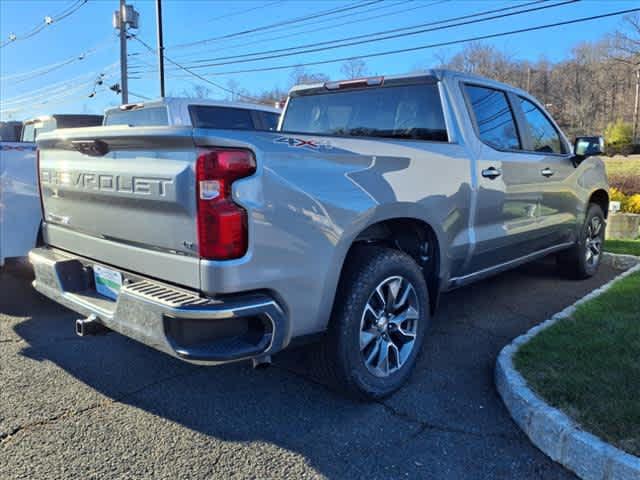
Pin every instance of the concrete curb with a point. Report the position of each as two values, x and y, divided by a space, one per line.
553 432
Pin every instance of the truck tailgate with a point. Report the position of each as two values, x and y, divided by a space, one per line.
114 193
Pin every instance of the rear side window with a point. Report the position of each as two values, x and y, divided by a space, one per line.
142 117
494 118
269 120
31 130
544 136
408 112
225 118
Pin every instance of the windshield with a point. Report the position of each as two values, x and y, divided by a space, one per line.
408 111
141 117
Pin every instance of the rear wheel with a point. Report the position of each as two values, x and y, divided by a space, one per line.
583 259
378 324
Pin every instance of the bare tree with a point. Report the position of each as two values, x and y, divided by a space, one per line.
197 91
302 76
236 93
354 68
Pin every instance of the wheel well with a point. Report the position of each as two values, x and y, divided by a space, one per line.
601 198
414 237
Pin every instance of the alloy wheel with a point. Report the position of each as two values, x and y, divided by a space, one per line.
389 326
593 242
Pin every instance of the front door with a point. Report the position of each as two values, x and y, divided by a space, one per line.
547 148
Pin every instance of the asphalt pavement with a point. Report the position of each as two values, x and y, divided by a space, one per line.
108 407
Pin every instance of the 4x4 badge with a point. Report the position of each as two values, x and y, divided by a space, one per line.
313 144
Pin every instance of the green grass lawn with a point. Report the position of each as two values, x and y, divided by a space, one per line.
627 166
589 365
629 247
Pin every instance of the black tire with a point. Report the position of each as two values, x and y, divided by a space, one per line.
340 357
576 262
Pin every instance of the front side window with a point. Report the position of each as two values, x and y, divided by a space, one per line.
494 118
406 112
544 136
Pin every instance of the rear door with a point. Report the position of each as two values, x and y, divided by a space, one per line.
508 200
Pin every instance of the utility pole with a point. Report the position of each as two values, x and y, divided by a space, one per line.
635 107
160 46
125 16
124 87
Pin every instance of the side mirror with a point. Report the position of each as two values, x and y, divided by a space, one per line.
587 147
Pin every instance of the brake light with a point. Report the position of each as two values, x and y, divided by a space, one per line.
222 224
38 176
355 83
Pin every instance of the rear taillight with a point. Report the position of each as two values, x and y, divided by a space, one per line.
38 176
222 224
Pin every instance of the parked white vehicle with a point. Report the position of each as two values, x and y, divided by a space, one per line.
20 212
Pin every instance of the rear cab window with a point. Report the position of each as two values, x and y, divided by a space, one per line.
494 120
140 117
269 119
224 118
406 111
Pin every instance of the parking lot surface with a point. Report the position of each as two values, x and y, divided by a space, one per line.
107 407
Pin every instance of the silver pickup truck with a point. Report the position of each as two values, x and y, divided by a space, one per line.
344 225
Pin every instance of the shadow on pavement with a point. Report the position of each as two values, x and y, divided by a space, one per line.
448 421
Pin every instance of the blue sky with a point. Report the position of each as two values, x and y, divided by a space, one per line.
89 31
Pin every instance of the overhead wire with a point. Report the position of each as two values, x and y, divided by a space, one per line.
235 14
43 70
194 74
61 86
386 35
275 25
351 22
48 20
429 46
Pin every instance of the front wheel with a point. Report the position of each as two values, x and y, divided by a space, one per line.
378 324
583 259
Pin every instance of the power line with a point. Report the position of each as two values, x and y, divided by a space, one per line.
38 72
235 14
58 87
69 98
387 35
48 20
330 27
60 98
428 46
138 95
278 24
194 74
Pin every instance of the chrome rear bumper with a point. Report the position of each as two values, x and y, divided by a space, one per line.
174 320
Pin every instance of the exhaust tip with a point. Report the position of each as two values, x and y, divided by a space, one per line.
260 363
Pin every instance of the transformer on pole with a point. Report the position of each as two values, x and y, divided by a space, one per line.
125 17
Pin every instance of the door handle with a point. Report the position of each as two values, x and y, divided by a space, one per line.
491 172
547 172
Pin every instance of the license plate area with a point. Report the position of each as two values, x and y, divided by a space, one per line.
108 282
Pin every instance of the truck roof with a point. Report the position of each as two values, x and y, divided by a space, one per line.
70 119
437 74
179 103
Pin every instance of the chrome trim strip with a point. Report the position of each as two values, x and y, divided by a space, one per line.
464 279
